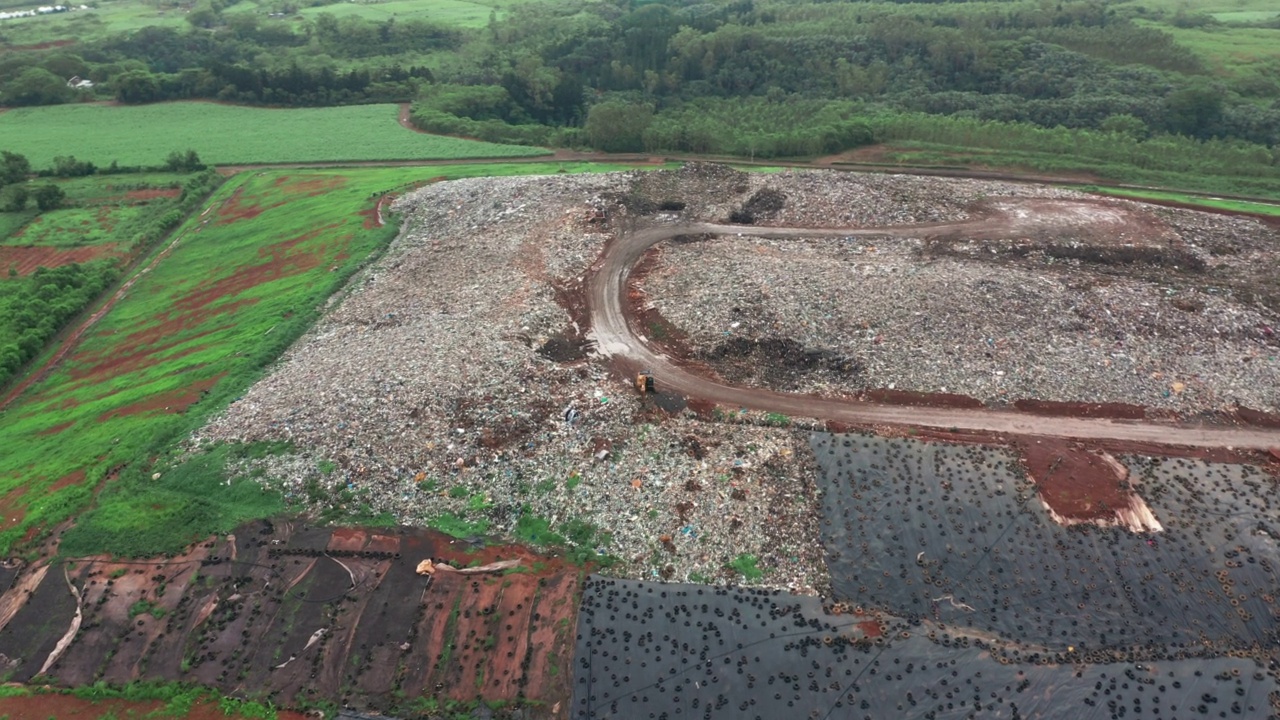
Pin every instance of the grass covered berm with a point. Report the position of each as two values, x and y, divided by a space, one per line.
228 134
245 277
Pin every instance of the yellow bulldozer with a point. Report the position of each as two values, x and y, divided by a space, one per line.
644 382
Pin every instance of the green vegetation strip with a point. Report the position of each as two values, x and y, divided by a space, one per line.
224 134
248 276
1243 206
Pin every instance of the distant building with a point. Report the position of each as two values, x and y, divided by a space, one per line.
79 83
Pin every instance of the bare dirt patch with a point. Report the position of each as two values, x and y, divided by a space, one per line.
1078 485
27 259
11 513
152 194
314 185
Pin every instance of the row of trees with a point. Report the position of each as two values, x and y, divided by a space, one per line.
532 76
14 190
35 307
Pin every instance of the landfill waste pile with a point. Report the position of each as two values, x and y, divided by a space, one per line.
455 383
1163 308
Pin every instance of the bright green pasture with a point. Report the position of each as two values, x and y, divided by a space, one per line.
226 134
247 277
460 13
111 16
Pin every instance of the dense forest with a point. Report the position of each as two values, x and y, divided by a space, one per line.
744 77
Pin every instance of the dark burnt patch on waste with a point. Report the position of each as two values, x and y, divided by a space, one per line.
778 362
764 204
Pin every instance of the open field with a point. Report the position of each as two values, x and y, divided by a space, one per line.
224 134
1229 50
112 16
458 13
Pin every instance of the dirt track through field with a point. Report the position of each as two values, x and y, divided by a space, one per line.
616 338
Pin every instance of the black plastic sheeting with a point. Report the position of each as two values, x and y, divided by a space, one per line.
680 652
957 536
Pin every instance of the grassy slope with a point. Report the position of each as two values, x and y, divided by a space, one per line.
224 134
245 280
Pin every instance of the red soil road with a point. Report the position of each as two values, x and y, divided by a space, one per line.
27 259
616 336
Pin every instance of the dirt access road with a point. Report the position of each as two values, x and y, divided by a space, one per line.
615 338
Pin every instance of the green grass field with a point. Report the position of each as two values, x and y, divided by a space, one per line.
224 134
245 280
459 13
111 16
116 16
1208 202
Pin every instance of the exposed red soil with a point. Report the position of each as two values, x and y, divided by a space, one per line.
311 186
232 210
27 259
371 215
250 621
1120 411
871 628
66 481
96 368
174 402
153 193
11 513
1271 220
56 428
1257 417
1077 484
197 307
919 399
63 707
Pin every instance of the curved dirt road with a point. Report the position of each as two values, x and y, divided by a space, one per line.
615 338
